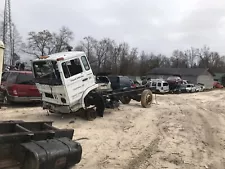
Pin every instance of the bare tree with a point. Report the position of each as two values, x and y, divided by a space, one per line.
39 43
61 41
101 48
192 55
16 44
179 59
88 47
204 57
45 43
123 59
115 57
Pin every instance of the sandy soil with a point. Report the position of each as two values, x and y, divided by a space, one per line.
184 131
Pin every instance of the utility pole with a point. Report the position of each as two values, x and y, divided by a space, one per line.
2 47
7 34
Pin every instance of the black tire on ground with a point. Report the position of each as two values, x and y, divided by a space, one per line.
93 114
125 99
146 98
97 100
89 115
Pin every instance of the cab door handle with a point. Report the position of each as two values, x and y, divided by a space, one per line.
85 79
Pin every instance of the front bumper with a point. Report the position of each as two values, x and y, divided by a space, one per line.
24 99
53 108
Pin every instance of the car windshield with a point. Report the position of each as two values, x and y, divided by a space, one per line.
46 72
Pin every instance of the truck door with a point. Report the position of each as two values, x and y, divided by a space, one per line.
74 76
88 79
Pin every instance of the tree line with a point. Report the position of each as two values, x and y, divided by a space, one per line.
107 55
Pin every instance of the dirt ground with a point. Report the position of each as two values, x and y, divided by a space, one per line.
179 131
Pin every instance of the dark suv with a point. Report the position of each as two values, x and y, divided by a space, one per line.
120 82
18 86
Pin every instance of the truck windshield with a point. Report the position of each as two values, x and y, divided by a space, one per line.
47 72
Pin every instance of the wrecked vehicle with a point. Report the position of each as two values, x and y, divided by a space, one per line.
68 85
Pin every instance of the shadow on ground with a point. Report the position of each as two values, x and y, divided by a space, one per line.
22 105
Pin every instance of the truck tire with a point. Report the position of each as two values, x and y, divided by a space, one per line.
96 99
99 104
146 98
125 99
90 114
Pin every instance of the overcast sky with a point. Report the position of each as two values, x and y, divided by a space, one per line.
158 26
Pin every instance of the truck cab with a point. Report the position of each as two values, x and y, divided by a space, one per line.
63 79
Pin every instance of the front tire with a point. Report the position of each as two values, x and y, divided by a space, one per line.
97 100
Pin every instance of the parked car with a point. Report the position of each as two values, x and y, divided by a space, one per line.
190 88
134 83
174 78
18 86
103 83
120 82
175 84
183 88
200 87
160 85
217 85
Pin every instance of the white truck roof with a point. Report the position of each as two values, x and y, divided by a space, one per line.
65 55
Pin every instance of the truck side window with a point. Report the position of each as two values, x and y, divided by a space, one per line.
71 68
159 84
85 63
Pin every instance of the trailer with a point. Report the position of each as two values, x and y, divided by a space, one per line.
68 85
37 145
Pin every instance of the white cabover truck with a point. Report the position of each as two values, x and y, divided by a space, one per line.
68 85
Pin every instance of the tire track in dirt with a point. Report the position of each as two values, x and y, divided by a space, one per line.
213 148
209 121
186 126
209 137
142 160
